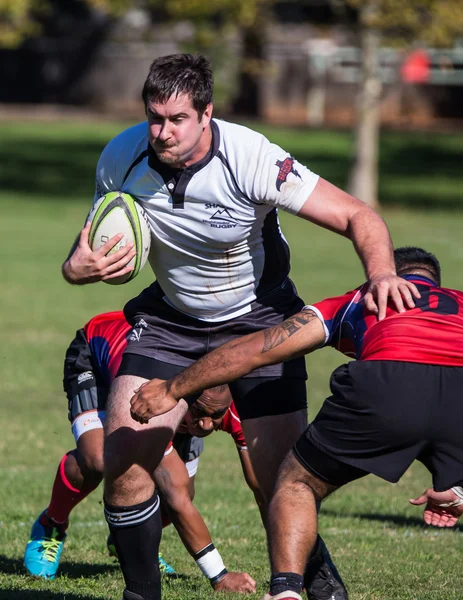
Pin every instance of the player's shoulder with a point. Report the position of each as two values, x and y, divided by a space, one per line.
347 306
353 297
128 144
453 291
240 138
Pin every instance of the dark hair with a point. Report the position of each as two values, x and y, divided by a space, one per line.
408 259
180 74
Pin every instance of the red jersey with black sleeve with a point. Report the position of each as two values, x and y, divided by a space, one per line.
107 337
430 333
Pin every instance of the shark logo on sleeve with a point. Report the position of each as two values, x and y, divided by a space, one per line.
286 167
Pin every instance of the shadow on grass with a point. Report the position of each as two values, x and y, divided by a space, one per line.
430 171
398 520
55 168
49 168
14 566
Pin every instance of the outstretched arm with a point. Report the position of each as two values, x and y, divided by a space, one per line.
251 480
172 480
334 209
298 335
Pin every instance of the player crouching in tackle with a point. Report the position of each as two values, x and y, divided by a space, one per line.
387 408
91 361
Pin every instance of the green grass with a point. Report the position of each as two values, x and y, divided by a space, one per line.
376 538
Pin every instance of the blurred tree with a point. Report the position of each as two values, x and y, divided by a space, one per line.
22 19
213 20
428 22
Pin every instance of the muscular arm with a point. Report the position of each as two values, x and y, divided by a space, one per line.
334 209
171 478
251 480
298 335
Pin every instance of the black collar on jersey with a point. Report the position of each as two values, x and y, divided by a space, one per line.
176 180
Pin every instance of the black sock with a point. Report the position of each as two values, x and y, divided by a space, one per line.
282 582
136 532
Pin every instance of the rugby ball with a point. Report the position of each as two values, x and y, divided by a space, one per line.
115 213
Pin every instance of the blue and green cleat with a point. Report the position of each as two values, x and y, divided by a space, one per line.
44 548
164 567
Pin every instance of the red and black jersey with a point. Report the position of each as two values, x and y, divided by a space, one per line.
430 333
107 337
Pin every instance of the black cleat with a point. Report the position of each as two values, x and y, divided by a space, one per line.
321 578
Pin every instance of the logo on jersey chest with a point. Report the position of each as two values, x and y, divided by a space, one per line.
286 167
221 217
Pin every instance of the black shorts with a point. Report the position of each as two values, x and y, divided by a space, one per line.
381 416
84 388
164 341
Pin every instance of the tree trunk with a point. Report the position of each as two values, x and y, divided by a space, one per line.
248 100
363 178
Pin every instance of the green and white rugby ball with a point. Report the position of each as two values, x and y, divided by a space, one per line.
115 213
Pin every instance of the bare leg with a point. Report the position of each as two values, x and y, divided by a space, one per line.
132 450
132 453
292 520
84 465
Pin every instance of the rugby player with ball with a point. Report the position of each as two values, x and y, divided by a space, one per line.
211 191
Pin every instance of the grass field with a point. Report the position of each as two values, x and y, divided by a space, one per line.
376 538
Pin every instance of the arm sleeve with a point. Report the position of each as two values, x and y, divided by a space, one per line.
275 178
333 313
232 424
109 174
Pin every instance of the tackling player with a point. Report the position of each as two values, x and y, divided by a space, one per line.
387 408
91 361
211 191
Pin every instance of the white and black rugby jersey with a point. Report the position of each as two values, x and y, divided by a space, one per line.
216 242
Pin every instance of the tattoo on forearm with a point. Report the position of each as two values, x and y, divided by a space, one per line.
275 336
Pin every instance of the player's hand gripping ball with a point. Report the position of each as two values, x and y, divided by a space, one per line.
115 213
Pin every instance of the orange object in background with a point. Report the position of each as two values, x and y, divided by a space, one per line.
416 67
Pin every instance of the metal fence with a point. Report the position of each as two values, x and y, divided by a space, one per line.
342 65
